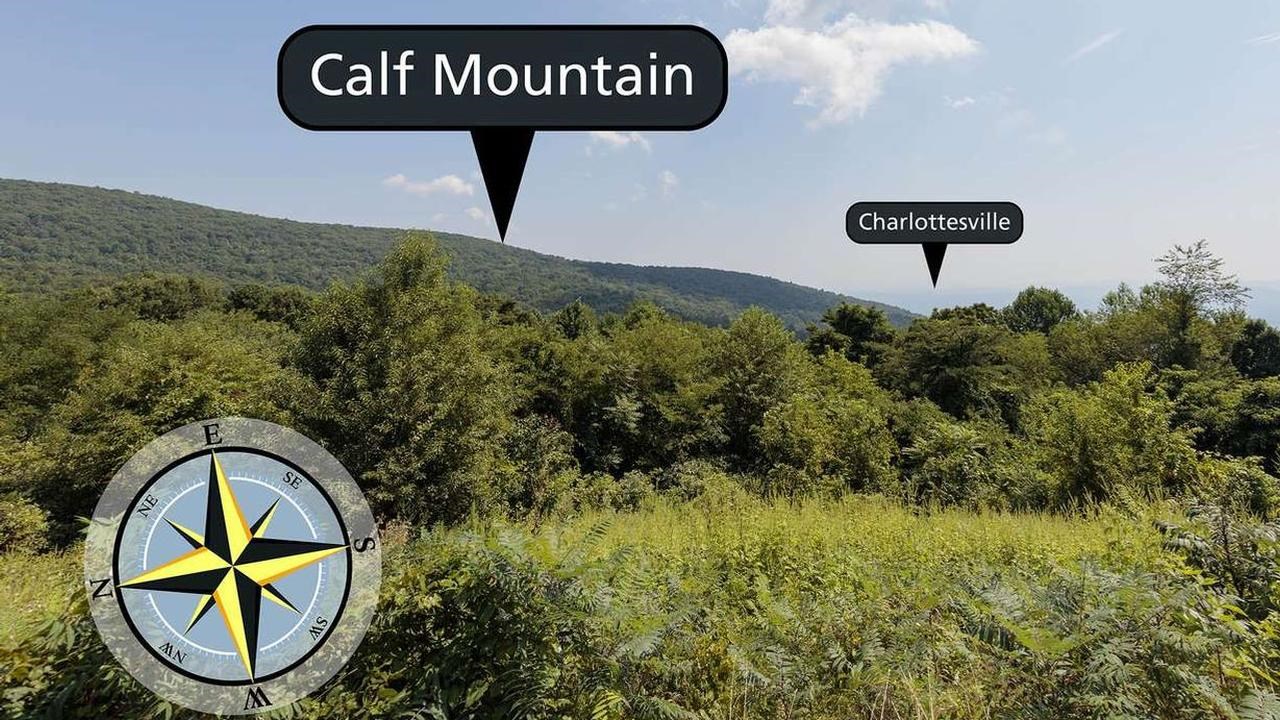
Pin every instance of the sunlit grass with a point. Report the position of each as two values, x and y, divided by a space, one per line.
787 539
740 608
880 531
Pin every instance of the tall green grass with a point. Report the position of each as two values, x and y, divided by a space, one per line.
729 607
35 587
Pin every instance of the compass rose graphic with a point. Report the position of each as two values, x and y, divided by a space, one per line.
232 565
217 612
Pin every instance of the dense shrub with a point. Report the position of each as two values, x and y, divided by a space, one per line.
403 390
826 439
969 366
543 466
24 527
949 464
286 304
758 366
1233 416
151 378
1111 440
155 296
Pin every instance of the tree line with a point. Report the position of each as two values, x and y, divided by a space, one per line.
445 402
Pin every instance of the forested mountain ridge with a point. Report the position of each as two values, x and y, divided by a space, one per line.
55 235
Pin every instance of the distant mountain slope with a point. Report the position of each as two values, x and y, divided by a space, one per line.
56 236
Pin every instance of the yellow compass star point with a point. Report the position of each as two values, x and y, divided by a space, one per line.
227 597
268 571
199 560
201 606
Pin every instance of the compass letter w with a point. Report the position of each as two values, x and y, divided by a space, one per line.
257 699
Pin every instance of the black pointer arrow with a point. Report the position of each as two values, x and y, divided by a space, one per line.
933 254
260 549
202 583
250 596
215 526
502 153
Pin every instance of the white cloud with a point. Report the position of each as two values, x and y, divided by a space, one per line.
815 13
451 184
959 103
1264 39
803 13
438 217
842 67
668 182
476 214
1093 45
620 140
789 12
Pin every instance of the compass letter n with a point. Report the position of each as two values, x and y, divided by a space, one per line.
101 588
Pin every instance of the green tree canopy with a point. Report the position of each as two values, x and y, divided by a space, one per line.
1038 309
152 377
405 393
1194 285
968 368
1111 440
860 333
758 366
1256 352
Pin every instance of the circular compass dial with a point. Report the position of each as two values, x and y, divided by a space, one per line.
232 566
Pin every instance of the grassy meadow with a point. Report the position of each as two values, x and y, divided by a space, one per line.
727 606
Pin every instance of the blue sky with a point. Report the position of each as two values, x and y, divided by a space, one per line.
1120 128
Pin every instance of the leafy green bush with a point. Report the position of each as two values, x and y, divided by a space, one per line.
635 490
831 435
1240 485
404 391
155 296
286 304
1111 440
969 367
1234 416
23 525
758 366
151 377
692 479
949 465
544 468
